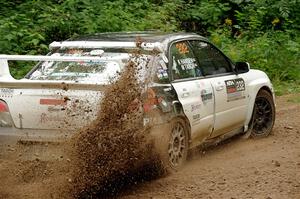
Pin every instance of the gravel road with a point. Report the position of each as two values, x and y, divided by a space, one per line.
267 168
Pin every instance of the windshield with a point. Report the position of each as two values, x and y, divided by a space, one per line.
96 71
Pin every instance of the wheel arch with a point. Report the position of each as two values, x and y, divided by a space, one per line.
179 113
253 91
266 88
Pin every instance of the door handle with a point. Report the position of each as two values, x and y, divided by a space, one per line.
219 87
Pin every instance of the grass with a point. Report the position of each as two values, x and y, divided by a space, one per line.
283 88
295 99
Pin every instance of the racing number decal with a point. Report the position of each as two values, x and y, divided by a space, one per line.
235 89
240 84
182 48
235 85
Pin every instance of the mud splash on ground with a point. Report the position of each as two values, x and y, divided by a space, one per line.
116 149
33 171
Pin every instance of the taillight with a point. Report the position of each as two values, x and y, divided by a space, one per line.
3 107
5 117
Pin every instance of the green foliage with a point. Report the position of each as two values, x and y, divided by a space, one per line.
261 15
27 27
276 53
204 15
286 87
262 32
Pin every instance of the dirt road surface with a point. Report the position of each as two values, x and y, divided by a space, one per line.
267 168
241 168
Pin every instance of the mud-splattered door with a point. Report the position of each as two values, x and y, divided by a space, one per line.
193 90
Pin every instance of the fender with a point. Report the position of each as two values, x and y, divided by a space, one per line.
258 80
178 112
171 107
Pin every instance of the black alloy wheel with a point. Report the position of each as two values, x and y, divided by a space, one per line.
263 114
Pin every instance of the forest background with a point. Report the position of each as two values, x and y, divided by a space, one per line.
263 32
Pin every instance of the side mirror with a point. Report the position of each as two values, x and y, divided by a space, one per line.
242 67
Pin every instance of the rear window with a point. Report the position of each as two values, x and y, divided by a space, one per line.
96 71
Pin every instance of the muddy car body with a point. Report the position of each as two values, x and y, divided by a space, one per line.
195 90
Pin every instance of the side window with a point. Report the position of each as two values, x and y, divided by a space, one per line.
184 63
210 59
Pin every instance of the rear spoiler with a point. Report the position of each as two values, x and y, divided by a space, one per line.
4 68
7 81
149 46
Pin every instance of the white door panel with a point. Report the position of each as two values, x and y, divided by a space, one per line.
230 118
196 98
195 95
230 103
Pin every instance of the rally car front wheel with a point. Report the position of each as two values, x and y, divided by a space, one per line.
263 117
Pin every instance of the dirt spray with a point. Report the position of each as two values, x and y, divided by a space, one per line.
107 153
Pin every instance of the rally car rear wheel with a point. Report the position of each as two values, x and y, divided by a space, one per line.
263 114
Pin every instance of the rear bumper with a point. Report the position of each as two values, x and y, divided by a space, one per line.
11 135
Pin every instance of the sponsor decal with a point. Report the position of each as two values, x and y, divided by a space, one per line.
195 107
150 121
44 118
54 109
196 119
188 63
206 95
235 85
163 65
235 89
6 91
162 74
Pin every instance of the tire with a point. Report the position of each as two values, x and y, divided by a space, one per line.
174 145
263 116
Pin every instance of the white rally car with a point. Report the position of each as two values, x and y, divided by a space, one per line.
200 93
